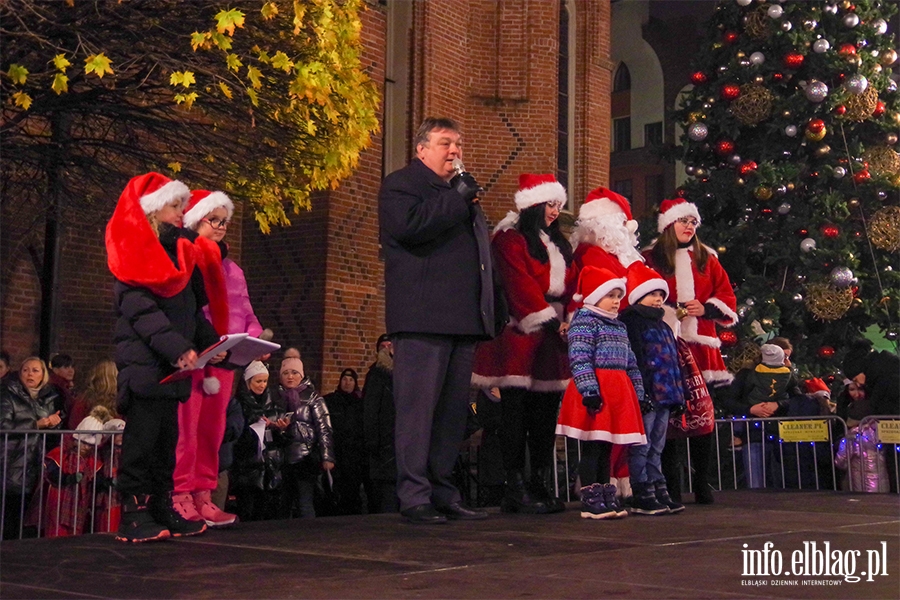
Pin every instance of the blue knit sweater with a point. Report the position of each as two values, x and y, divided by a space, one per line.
598 342
656 353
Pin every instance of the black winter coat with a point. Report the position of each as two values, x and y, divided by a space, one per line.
234 427
378 418
346 413
19 411
438 270
152 332
310 432
250 470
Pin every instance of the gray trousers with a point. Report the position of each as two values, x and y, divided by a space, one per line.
432 377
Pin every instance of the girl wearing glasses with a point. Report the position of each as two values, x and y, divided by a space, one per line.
201 420
702 297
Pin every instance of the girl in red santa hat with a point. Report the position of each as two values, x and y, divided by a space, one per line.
161 274
600 406
201 420
702 298
528 360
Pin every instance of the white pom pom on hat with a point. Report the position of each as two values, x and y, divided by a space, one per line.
211 385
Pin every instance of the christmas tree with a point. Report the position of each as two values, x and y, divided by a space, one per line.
790 142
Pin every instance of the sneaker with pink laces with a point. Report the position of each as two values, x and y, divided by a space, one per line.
212 514
184 505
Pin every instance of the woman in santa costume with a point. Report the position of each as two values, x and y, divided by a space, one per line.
201 420
528 361
161 275
702 298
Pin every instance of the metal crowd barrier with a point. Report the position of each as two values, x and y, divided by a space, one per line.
73 491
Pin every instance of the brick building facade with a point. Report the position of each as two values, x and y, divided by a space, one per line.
491 64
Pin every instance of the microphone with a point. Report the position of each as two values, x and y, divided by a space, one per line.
458 166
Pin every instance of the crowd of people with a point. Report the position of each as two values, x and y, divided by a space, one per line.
584 337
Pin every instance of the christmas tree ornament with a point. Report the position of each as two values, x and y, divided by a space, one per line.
721 249
730 91
784 208
839 172
757 23
798 298
728 338
853 203
861 176
860 107
775 11
840 109
847 49
884 229
882 161
856 84
780 190
747 167
821 45
880 26
827 303
816 91
734 160
746 355
698 78
786 26
802 232
790 130
882 195
808 245
830 231
777 76
815 126
700 172
759 79
740 181
695 116
826 352
757 58
698 131
889 57
810 24
830 9
823 150
729 37
815 136
793 60
842 277
744 62
724 147
744 2
851 20
879 109
763 193
750 301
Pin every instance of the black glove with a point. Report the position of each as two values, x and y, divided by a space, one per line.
677 410
466 186
551 326
646 407
592 403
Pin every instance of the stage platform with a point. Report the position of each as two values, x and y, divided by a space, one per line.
697 554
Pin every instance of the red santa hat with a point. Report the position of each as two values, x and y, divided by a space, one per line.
816 386
642 280
601 202
538 189
595 282
202 203
672 210
154 191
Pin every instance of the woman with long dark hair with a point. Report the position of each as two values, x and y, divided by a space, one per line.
529 360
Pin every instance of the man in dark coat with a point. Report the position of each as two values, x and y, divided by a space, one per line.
439 302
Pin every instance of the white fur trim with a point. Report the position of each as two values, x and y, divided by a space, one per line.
721 377
531 323
623 439
557 267
174 190
211 385
671 320
730 316
651 285
684 209
505 381
684 276
213 201
550 191
508 222
599 208
689 334
603 289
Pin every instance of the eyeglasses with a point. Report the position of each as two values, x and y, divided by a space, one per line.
688 221
217 223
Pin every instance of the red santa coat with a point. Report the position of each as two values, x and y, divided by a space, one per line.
589 254
709 287
525 355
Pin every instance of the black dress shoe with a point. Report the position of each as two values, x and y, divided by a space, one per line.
458 511
423 514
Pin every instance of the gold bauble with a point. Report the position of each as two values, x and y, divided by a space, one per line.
717 45
860 107
758 22
759 79
790 186
884 229
816 136
882 161
721 249
754 105
739 181
828 303
877 68
895 117
894 181
853 203
739 54
694 117
889 57
823 150
763 193
747 354
854 59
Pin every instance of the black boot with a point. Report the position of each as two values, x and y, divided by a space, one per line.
165 514
701 447
662 495
518 499
644 500
137 524
540 491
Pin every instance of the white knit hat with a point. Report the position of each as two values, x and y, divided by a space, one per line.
89 423
253 369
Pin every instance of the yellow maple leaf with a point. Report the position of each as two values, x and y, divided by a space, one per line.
281 61
269 10
253 97
186 99
227 20
255 77
234 63
175 167
199 40
98 64
226 91
60 62
23 100
18 74
60 83
183 78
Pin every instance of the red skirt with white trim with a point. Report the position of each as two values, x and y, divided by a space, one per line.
619 420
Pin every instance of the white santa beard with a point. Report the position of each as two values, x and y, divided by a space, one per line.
611 235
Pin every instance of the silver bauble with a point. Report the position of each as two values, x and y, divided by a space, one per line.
830 9
856 84
698 131
775 11
734 160
808 245
810 24
880 26
786 26
758 58
780 190
689 170
784 208
839 172
841 277
749 301
744 62
790 130
816 91
798 298
743 311
820 46
744 2
851 20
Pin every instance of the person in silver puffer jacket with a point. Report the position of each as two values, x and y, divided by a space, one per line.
860 456
311 446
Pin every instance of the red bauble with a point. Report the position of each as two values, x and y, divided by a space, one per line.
826 352
777 76
847 50
879 109
815 126
681 192
840 109
747 167
730 91
724 147
861 176
728 337
830 231
803 232
698 78
793 60
730 37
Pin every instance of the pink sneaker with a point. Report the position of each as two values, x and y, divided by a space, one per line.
212 514
184 504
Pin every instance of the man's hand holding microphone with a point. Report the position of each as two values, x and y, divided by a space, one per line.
464 183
